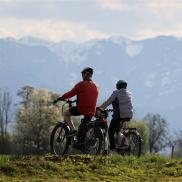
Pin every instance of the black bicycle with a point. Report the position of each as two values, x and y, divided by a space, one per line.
91 137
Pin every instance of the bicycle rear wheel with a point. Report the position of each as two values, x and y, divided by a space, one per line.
132 144
59 142
93 140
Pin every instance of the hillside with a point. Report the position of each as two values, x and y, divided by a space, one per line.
89 168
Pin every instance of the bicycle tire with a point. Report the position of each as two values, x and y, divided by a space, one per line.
93 134
133 140
63 128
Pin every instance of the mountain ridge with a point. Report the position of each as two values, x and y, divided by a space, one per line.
152 67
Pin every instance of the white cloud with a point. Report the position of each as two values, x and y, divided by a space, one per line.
81 20
5 0
48 29
112 4
138 5
176 30
156 5
6 33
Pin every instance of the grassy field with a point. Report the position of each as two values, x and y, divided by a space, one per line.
89 168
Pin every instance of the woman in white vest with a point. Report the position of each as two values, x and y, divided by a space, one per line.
122 109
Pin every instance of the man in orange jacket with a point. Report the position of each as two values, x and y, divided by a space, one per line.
87 93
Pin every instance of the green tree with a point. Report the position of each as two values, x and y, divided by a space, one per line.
158 132
34 120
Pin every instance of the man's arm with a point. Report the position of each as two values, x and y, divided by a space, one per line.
108 101
69 94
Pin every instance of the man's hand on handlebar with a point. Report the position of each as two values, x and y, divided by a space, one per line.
58 99
101 109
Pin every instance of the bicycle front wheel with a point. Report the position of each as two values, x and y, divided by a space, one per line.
59 142
132 144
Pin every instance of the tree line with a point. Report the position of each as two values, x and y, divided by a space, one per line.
36 116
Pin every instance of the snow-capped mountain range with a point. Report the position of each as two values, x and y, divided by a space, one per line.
152 67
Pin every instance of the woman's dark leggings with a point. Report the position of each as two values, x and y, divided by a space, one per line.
113 128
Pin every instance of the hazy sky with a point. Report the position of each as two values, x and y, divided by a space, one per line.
80 20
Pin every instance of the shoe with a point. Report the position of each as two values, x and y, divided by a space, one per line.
72 133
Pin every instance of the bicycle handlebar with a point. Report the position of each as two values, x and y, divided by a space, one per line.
102 113
108 110
70 101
